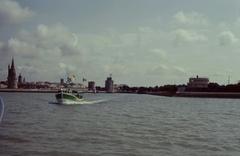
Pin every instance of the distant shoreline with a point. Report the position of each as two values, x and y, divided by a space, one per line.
232 95
29 90
227 95
35 90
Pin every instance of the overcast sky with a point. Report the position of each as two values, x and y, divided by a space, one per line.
139 42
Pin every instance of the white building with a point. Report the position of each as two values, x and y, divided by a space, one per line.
198 82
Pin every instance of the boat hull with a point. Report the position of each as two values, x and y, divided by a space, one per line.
67 98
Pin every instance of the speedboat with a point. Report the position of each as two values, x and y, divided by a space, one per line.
68 97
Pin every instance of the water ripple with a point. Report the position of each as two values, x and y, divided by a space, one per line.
125 124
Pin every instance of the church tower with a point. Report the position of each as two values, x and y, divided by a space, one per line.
8 77
12 79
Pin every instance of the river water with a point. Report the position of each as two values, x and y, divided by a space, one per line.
122 124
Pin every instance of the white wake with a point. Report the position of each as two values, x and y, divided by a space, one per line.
82 102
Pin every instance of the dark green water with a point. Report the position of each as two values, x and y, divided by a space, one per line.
123 124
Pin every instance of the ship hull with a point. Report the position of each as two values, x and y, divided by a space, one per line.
67 98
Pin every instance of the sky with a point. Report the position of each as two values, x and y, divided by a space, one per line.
139 42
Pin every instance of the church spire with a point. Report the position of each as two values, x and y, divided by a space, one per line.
12 79
13 66
13 70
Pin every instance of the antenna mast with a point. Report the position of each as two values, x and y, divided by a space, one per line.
228 79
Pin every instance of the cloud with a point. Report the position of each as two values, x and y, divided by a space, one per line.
226 38
1 45
21 48
166 70
54 41
11 12
116 69
44 48
179 70
1 48
66 68
183 35
53 35
26 68
159 69
145 30
159 52
192 18
4 50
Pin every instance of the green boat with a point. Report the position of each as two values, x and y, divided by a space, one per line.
68 97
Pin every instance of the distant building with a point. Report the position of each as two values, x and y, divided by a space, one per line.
109 85
61 81
20 81
24 80
3 84
198 82
12 79
120 87
91 86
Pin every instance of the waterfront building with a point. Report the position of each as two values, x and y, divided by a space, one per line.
61 81
20 82
3 84
120 87
109 87
12 79
91 86
24 80
198 82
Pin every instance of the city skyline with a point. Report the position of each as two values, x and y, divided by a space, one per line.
142 43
